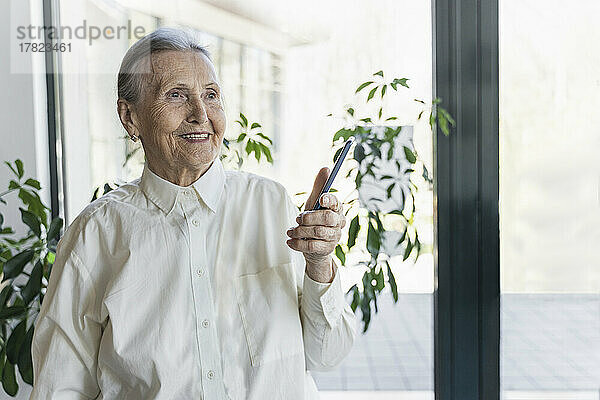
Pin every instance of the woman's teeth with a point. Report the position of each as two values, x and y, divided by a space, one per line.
195 136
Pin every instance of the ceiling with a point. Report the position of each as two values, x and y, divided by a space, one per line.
307 20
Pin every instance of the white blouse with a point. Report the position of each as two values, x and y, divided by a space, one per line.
168 292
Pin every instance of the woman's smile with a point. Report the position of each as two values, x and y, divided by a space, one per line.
196 137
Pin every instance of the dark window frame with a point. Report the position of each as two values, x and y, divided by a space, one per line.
466 188
58 207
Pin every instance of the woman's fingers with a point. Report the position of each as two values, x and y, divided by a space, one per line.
319 232
321 217
312 246
328 200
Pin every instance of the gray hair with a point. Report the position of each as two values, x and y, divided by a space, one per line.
129 81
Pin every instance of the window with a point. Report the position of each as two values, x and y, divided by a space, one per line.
549 200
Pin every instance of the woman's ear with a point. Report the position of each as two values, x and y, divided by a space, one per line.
128 118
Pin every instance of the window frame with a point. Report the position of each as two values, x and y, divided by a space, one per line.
466 189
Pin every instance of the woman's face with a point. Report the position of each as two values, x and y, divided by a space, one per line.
180 115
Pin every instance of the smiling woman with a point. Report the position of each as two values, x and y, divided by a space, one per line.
232 307
169 98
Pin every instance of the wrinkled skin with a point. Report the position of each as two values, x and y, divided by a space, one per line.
319 231
181 94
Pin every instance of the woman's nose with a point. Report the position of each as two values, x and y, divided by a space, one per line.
198 111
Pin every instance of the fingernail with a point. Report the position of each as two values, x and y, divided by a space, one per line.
325 200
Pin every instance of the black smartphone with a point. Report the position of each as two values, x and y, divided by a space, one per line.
334 172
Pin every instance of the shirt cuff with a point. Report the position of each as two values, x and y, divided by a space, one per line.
323 301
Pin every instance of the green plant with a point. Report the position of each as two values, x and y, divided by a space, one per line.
20 303
250 140
372 136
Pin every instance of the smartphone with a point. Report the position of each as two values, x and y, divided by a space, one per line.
334 172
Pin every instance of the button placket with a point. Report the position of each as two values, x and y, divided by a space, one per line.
208 344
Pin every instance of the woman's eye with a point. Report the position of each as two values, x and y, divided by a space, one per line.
175 95
212 95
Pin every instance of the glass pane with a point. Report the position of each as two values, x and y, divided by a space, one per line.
393 359
549 199
288 66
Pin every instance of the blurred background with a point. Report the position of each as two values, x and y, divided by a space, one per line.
288 65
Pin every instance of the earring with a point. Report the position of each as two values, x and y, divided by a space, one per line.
134 138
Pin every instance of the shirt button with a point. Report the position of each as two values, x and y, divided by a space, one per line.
210 374
200 271
205 323
196 222
186 192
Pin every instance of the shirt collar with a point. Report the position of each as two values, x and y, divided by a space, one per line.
163 193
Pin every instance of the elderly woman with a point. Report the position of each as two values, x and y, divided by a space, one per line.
190 282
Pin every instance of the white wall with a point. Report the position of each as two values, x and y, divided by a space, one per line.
23 123
22 107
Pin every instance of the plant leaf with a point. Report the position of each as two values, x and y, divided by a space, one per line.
255 125
257 151
31 221
12 312
339 253
9 382
353 231
383 89
244 120
426 175
401 81
359 152
410 156
249 147
342 133
20 169
392 281
54 229
16 338
34 285
373 241
355 298
33 183
24 361
266 151
380 73
15 172
361 87
371 93
409 247
265 137
14 266
337 154
5 295
389 190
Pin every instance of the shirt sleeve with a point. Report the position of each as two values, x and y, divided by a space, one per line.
328 322
67 334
